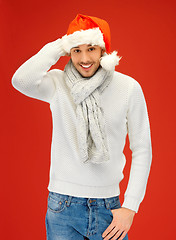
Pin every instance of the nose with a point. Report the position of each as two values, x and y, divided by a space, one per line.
85 58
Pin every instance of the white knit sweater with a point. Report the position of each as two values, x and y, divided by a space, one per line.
125 112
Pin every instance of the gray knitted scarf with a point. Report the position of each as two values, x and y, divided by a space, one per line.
90 126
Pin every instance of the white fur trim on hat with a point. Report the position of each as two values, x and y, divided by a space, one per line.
91 36
109 61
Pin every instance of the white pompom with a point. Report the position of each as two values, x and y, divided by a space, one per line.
109 61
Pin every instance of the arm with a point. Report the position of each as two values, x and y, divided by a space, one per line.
32 78
140 145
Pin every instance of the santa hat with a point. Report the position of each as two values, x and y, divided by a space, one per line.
91 30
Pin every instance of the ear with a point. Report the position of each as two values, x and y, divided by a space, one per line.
103 51
67 54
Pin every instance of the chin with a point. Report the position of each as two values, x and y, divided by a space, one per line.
87 75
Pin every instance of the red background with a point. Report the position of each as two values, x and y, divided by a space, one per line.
143 33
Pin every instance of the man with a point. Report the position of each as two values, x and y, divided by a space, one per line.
93 107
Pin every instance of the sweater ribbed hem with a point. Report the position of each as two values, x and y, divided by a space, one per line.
78 190
131 203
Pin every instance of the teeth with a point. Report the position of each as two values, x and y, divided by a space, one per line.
85 66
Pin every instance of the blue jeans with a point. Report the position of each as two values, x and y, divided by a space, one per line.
78 218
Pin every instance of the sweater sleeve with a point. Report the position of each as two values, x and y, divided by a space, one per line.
140 144
32 78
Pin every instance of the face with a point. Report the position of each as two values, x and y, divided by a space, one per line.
86 58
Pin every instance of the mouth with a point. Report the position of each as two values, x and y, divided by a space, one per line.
86 67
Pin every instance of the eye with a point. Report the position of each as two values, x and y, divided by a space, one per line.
91 49
76 50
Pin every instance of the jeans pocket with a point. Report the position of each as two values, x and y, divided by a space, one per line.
115 204
56 205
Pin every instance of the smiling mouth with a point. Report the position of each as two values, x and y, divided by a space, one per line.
86 67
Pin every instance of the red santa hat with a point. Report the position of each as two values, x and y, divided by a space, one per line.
91 30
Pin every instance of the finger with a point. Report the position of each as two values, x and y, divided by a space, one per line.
108 229
111 234
117 235
123 235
